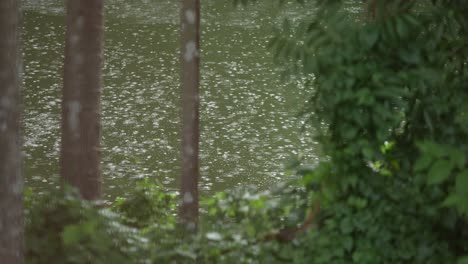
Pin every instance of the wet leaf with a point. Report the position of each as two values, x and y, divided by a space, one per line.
439 171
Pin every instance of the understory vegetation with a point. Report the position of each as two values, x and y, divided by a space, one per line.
389 97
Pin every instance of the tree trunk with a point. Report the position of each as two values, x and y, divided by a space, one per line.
81 126
11 183
190 78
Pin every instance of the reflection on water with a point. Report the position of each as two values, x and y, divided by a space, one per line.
247 113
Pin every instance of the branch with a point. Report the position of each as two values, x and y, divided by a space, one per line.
288 234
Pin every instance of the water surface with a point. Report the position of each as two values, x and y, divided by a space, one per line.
248 124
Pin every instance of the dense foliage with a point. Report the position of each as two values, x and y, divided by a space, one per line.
389 97
61 228
236 227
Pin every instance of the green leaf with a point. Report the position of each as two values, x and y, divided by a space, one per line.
346 226
451 200
439 171
348 242
461 184
433 149
368 152
422 163
463 260
370 37
385 172
410 56
349 133
71 235
458 157
401 27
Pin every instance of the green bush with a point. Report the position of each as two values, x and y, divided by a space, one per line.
61 228
147 204
236 226
390 101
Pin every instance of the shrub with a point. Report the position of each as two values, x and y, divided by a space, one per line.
390 101
61 228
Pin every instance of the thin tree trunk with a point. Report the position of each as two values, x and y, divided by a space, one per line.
81 126
11 183
190 78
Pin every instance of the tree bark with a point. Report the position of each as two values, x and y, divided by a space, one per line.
11 183
81 126
190 79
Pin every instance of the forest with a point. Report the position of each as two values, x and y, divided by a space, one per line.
234 131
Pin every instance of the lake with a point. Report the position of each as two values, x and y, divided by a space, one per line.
248 128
